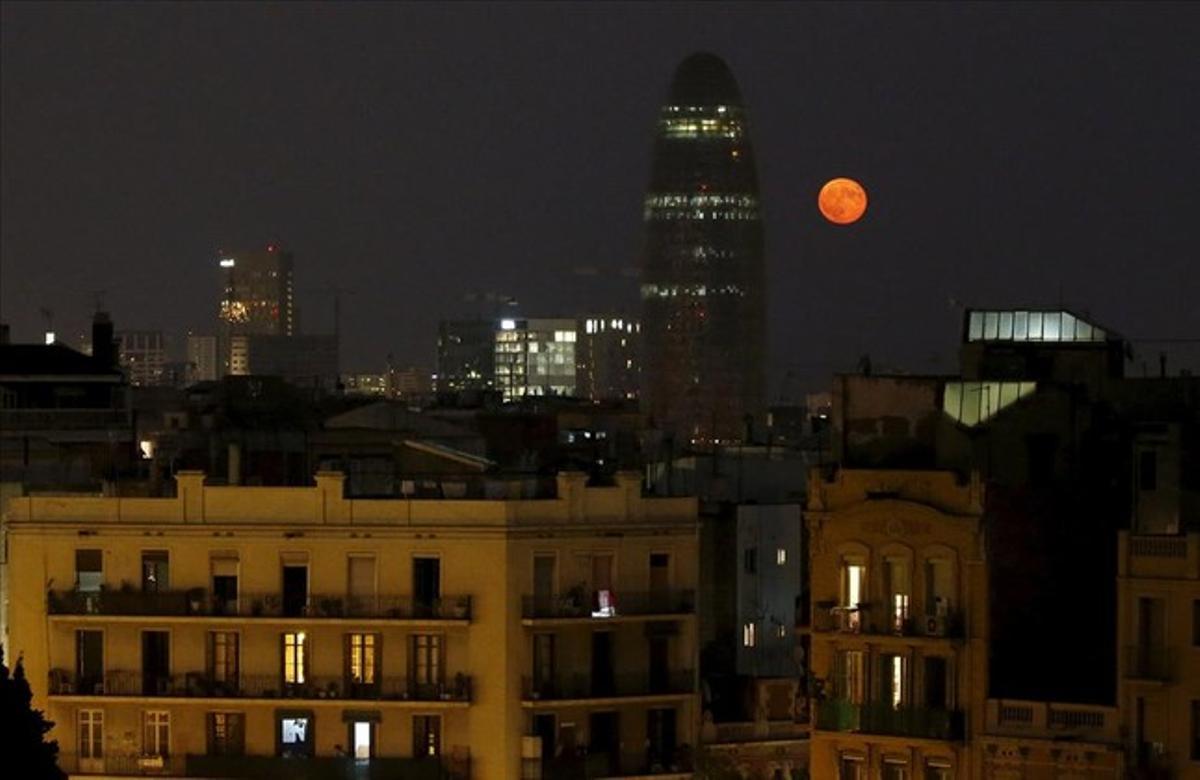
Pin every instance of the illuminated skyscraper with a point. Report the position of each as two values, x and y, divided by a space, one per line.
703 274
257 295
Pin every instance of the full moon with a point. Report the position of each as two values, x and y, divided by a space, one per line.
842 201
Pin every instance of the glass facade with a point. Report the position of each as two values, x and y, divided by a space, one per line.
1021 325
702 269
535 357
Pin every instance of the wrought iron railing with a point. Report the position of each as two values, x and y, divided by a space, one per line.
199 602
587 686
589 604
259 686
884 719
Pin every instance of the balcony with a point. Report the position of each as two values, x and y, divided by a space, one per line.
753 731
601 765
1159 557
828 618
584 686
1151 662
197 602
262 686
1052 720
884 719
605 605
455 766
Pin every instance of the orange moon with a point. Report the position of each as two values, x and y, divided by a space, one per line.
842 201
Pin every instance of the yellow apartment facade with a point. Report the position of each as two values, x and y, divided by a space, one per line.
1158 629
898 638
229 629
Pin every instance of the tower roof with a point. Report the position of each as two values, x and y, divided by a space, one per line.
704 79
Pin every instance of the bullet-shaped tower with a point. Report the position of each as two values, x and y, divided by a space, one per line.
702 269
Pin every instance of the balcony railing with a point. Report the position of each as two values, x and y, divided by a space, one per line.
197 602
454 765
261 686
590 604
754 731
884 719
1148 662
864 620
598 765
585 686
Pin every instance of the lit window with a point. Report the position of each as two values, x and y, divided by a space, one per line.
294 662
748 635
780 556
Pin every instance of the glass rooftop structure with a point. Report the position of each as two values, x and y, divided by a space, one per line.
1022 325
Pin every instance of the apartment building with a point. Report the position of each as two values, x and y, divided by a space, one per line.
229 629
1158 680
899 623
1032 740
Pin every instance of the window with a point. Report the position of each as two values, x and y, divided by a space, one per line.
362 658
427 585
156 733
854 589
1196 622
899 589
852 768
849 677
89 570
1148 470
226 734
1195 730
91 734
893 679
223 656
295 734
750 560
427 736
426 654
543 660
939 586
780 556
295 660
660 572
748 634
362 739
361 585
938 769
225 584
89 662
155 571
895 769
295 586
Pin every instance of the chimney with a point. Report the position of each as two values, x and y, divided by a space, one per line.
104 347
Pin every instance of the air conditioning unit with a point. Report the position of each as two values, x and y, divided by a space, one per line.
935 625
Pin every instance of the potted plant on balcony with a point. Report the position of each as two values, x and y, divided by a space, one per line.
461 608
195 601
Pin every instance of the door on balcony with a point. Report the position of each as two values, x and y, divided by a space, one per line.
546 728
896 574
893 680
427 586
936 683
155 571
223 662
426 665
427 736
362 739
543 585
660 738
295 589
543 665
89 662
659 648
604 735
603 600
224 585
362 664
156 663
660 582
361 586
1152 637
603 682
91 741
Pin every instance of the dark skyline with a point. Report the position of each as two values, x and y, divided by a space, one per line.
1013 154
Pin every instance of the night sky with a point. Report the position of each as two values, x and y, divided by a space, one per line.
414 155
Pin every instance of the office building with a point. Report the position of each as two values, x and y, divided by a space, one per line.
258 294
203 358
702 268
143 356
535 357
607 351
272 632
466 355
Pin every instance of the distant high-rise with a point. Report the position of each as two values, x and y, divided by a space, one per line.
257 295
535 357
466 355
702 270
607 362
143 356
